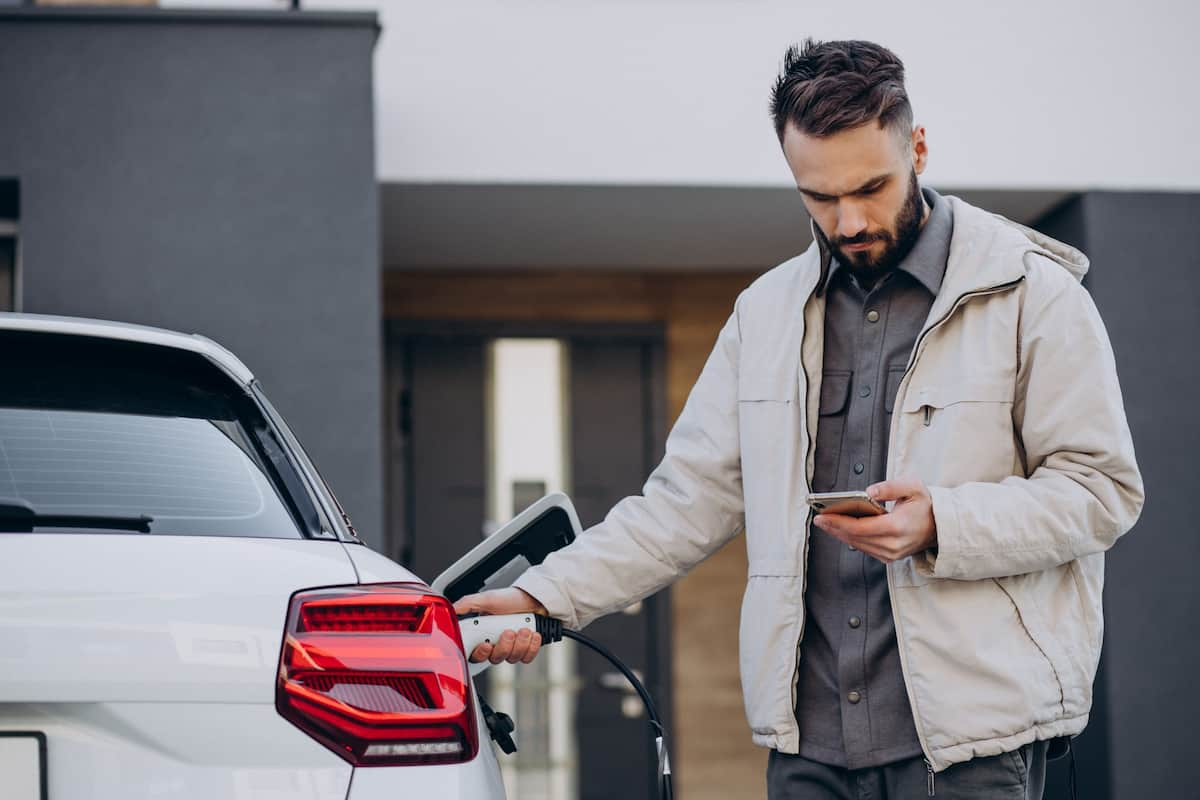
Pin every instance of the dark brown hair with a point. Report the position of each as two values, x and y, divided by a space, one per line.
827 87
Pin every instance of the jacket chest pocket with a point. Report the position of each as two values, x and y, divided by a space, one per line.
968 392
764 400
963 430
768 421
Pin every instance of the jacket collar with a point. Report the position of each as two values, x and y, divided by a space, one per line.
989 251
986 251
824 255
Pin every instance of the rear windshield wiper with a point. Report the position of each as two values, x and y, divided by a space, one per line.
18 516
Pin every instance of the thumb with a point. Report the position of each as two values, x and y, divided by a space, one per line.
498 601
899 489
472 603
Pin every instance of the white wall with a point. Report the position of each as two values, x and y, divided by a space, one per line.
1020 94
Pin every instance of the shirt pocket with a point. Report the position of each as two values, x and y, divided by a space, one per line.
831 424
894 376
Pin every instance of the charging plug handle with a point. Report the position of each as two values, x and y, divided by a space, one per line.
480 629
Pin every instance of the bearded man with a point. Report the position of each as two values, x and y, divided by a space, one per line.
949 363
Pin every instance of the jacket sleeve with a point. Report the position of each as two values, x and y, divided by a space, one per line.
1083 489
689 507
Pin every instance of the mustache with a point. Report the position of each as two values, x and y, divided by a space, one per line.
862 238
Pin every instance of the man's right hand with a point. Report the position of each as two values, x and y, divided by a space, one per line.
512 646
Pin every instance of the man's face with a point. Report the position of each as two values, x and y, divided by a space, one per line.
860 186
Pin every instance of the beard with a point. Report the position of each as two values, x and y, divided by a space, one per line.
897 242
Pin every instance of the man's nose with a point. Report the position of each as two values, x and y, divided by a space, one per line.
851 219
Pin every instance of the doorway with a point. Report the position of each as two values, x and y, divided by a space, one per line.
484 418
10 210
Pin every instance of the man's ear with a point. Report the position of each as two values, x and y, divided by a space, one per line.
920 150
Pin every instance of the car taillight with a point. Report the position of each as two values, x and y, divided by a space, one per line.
376 673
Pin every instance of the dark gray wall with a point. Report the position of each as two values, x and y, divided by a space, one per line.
212 172
1146 282
1145 278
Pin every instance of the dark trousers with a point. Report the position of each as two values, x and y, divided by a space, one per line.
1019 775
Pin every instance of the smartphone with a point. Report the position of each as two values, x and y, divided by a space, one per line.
852 504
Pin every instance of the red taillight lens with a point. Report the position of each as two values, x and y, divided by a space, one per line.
376 673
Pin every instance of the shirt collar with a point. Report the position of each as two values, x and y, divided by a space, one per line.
926 261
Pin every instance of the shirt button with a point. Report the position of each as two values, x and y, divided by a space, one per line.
854 697
858 468
855 622
851 547
872 316
864 391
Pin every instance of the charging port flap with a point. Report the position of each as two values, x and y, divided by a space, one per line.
495 563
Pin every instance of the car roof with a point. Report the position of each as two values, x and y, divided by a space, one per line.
124 331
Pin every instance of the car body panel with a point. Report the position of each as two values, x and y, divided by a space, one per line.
184 751
149 662
373 567
132 617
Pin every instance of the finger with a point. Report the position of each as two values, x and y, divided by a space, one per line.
520 646
481 653
871 527
843 535
534 646
841 525
503 647
830 526
898 489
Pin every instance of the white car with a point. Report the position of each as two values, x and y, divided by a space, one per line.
185 612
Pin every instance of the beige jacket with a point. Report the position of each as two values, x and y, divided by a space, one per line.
1009 410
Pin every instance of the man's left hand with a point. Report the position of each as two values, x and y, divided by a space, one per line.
908 528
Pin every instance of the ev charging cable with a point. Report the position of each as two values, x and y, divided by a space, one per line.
480 629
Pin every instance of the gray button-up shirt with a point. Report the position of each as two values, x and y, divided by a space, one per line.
851 703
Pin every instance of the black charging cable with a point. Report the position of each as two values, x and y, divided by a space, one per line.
552 630
1071 781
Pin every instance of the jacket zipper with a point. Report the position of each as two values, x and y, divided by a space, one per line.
891 579
807 524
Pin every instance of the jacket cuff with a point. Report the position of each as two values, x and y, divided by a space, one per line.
547 592
940 563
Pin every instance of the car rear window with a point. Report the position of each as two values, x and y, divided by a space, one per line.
100 435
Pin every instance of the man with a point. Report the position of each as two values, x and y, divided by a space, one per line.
948 362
